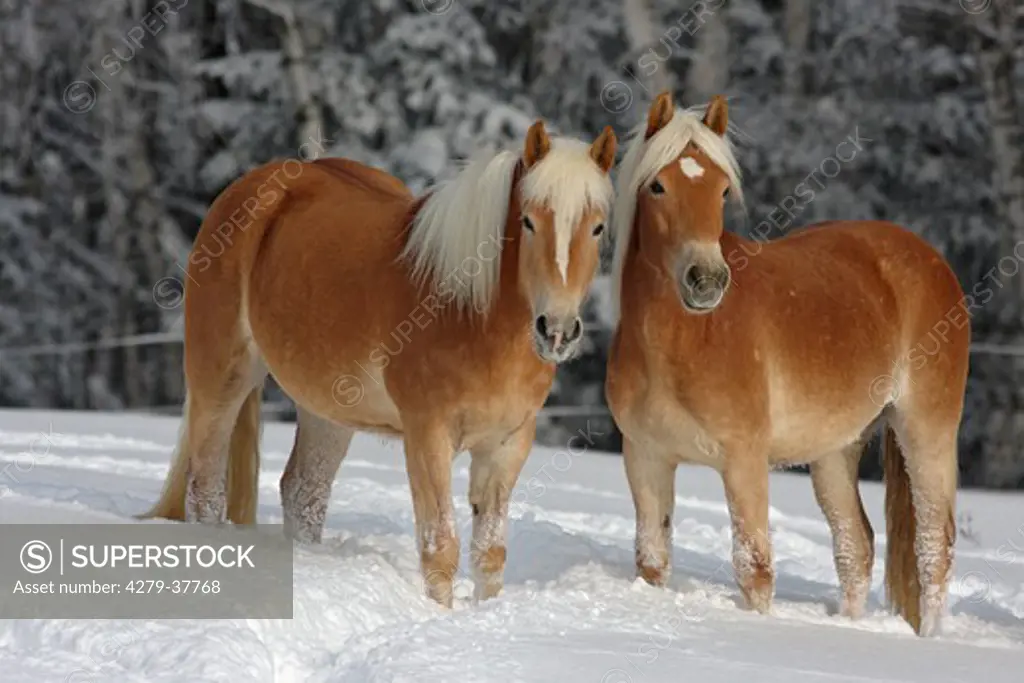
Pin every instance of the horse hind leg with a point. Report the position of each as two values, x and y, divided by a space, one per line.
920 462
320 446
217 428
834 477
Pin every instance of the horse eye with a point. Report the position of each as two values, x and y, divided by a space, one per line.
657 188
726 193
598 229
527 223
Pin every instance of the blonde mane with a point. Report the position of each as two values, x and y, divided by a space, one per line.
456 230
644 158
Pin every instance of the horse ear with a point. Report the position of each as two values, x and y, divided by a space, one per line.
537 144
603 149
660 113
717 115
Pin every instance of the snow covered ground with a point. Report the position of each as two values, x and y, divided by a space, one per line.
571 612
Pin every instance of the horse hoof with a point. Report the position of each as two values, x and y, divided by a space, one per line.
486 591
851 609
441 597
759 604
655 576
930 624
758 597
305 534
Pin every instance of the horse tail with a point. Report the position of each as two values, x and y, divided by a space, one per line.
901 577
244 461
242 474
171 504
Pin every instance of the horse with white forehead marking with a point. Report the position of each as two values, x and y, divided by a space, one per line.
743 355
439 319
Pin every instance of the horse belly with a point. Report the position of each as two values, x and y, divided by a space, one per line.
361 401
802 432
355 398
824 400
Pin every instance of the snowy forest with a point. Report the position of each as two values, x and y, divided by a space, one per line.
121 120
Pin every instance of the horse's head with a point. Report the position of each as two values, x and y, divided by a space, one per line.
564 199
677 178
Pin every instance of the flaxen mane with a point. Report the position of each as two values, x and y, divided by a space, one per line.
470 210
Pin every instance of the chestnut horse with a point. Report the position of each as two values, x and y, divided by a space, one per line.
439 319
744 355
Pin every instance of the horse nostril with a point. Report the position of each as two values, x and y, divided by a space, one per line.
692 278
577 330
542 326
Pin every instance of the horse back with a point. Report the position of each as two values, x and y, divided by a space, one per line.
866 257
370 178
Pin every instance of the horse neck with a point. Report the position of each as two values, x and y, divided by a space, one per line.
643 286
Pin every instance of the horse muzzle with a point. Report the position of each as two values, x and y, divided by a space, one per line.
702 287
556 339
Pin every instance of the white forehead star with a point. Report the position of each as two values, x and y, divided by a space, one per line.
691 169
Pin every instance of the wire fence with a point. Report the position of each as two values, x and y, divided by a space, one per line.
977 348
269 408
284 407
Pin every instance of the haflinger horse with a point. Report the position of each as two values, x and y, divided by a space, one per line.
439 319
745 355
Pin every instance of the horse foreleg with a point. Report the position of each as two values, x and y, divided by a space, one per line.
853 542
492 476
652 478
428 459
320 446
746 490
